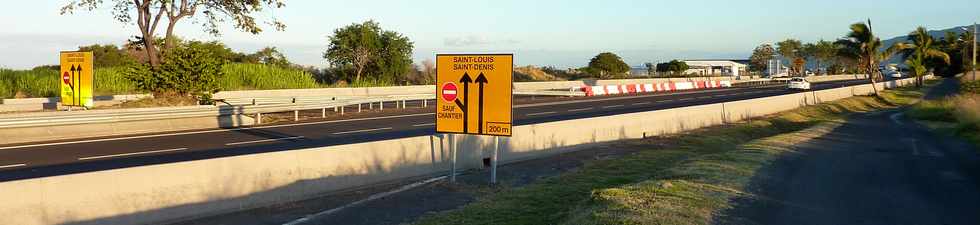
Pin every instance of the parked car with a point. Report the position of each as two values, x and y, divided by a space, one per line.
799 83
895 74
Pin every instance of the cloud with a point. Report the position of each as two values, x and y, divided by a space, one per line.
474 40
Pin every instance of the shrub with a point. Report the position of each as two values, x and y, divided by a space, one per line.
186 70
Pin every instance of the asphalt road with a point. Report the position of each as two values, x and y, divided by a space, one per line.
900 173
25 161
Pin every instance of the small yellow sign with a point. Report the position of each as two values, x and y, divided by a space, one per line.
474 94
77 79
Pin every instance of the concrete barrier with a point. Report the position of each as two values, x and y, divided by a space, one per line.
183 190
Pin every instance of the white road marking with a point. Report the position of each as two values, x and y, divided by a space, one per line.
895 118
362 201
642 103
579 110
704 97
540 113
130 154
12 166
361 131
687 99
668 100
910 141
212 131
424 125
266 140
612 106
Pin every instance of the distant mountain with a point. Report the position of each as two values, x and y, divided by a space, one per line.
936 34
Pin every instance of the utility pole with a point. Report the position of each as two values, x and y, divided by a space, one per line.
973 69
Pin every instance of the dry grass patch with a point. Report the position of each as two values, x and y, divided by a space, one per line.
682 179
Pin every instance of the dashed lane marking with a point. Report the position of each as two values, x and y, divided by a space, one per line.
540 113
362 131
131 154
12 166
266 140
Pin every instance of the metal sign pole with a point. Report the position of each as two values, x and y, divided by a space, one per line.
493 162
452 162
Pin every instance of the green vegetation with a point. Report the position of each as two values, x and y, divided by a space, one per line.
759 61
681 179
863 46
608 65
675 67
241 76
186 70
920 50
956 115
366 49
241 13
792 50
43 82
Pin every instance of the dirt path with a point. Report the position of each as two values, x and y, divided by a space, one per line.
877 168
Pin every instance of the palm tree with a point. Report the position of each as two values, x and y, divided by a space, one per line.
920 51
862 45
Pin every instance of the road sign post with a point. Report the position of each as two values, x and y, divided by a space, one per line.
77 79
475 98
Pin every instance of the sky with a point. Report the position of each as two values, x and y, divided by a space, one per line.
561 33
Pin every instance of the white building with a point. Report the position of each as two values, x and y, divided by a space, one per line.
716 67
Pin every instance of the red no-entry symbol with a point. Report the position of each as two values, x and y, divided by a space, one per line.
66 78
449 92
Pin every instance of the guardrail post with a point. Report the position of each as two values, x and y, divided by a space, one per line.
335 108
296 115
381 105
341 110
404 104
323 112
258 118
370 105
425 103
358 107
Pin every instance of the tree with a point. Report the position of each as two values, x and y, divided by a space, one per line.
365 48
862 45
149 13
429 69
651 68
790 49
608 64
674 67
270 56
759 61
919 51
823 52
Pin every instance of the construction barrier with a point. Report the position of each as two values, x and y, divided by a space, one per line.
650 88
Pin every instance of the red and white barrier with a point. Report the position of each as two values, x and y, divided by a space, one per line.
649 88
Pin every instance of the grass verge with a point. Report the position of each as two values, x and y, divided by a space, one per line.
681 179
957 115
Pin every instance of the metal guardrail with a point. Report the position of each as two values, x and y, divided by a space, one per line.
110 116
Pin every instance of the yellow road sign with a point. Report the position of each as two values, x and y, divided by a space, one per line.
474 94
77 79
